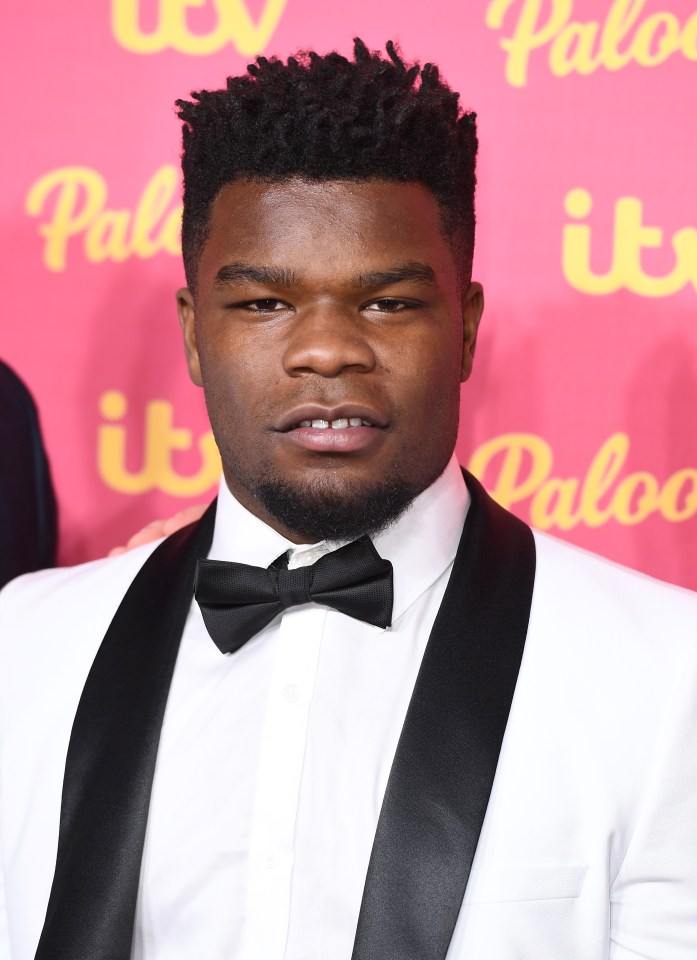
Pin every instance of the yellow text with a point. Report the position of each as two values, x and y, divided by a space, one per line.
630 237
161 439
626 35
519 466
233 24
80 211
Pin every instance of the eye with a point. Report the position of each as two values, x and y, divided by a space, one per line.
388 305
266 305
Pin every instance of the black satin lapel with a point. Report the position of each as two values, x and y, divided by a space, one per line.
444 766
111 758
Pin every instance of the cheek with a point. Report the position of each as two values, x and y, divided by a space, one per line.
431 369
224 400
236 374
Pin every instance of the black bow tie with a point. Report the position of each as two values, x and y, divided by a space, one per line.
238 600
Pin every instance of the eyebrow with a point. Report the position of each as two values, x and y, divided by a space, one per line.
239 273
407 272
233 273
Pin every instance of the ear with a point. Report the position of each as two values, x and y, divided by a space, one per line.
472 308
187 319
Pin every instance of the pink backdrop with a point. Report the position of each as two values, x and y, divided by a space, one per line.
581 413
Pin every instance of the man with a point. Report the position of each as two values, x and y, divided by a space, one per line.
28 529
309 761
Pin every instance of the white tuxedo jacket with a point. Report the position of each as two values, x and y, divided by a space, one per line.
588 850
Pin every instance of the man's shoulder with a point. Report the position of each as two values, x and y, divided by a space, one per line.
569 560
64 611
590 592
45 591
610 660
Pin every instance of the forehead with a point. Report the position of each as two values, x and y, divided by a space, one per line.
326 227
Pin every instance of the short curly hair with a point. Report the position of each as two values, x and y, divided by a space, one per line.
330 118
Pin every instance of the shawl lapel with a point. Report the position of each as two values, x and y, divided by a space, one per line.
446 758
111 758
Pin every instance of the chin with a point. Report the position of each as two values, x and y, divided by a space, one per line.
338 509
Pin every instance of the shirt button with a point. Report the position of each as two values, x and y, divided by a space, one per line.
291 693
272 860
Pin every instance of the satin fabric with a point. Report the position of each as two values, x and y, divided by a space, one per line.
238 600
111 759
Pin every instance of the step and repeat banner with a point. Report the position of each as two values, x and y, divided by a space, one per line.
581 413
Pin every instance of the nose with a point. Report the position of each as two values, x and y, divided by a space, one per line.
328 342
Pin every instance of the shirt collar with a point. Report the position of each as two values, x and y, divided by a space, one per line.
421 544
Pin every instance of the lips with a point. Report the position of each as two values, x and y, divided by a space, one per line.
344 429
343 417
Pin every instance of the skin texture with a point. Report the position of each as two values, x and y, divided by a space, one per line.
161 528
320 333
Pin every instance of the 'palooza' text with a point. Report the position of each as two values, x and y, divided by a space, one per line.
627 35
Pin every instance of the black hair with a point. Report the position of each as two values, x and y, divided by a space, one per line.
330 118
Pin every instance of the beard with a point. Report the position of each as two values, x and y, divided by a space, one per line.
323 504
319 511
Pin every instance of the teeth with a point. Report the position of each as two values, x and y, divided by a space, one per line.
340 424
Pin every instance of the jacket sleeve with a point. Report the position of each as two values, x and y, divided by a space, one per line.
654 896
27 501
4 932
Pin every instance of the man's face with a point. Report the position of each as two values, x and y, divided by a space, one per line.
334 303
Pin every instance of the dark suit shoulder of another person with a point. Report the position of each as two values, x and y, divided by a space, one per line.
28 530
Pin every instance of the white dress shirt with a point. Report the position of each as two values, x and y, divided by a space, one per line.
274 760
